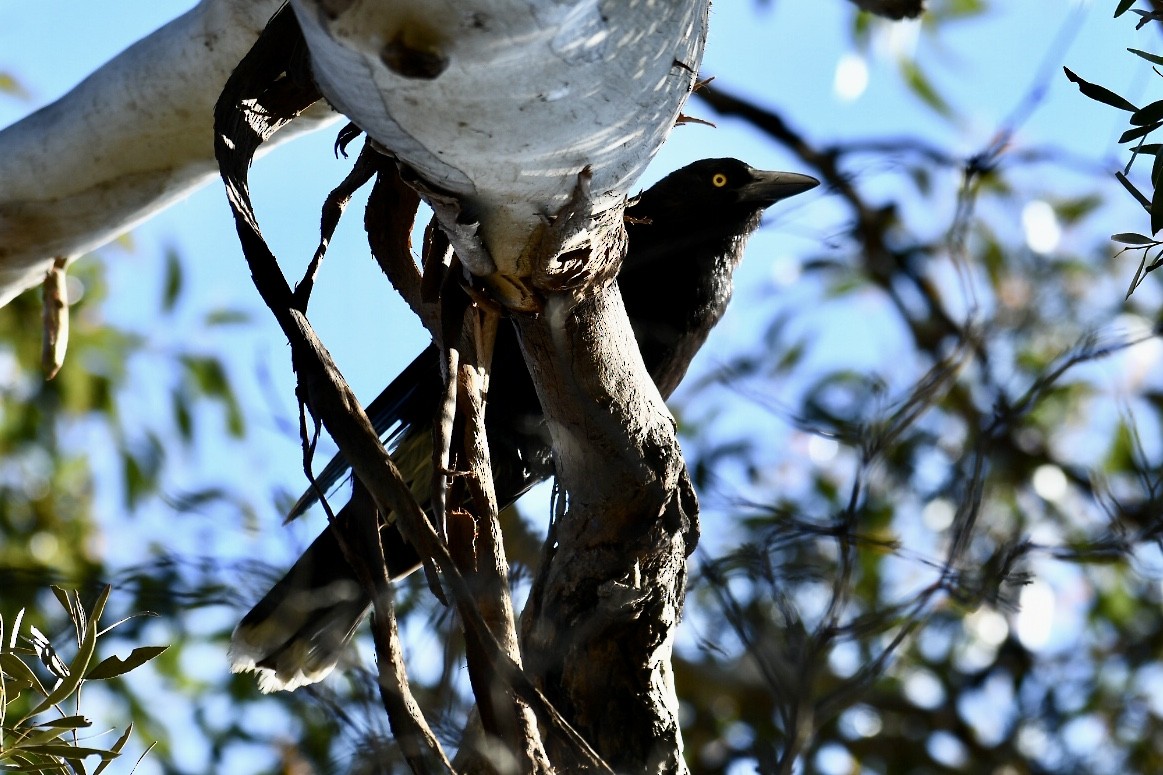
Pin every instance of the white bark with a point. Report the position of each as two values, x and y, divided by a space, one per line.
128 141
499 102
502 103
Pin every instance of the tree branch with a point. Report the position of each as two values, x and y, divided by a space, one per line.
262 96
66 190
599 623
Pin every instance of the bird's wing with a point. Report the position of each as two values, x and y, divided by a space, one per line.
408 402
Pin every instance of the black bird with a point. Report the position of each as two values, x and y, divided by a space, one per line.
686 236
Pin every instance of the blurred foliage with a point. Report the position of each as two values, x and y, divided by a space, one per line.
11 86
890 599
936 18
52 745
887 533
56 437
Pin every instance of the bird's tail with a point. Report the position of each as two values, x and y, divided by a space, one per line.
297 633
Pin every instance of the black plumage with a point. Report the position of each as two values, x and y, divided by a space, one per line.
686 237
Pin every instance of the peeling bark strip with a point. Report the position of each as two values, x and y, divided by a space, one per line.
269 87
55 319
264 93
524 124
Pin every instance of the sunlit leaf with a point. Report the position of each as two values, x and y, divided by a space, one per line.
114 666
69 751
46 653
69 684
115 748
67 722
1130 238
13 665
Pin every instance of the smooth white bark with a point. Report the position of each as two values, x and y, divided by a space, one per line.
128 141
502 103
499 102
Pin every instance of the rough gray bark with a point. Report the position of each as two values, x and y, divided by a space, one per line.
599 625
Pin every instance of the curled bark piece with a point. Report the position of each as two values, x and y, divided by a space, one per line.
56 320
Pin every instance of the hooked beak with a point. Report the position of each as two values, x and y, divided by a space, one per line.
770 187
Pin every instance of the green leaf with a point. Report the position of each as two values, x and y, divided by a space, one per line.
67 722
1073 210
74 610
959 9
115 749
172 287
1122 7
115 666
1154 58
1099 93
1130 238
49 731
235 420
40 768
9 85
919 83
68 685
227 317
183 419
14 666
66 751
1157 210
99 604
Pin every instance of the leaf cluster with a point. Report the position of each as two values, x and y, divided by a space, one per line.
41 719
1143 122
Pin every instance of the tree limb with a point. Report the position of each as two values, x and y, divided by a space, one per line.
66 189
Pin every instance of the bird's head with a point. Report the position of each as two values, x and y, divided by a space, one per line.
719 190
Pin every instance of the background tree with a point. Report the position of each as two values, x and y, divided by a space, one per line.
896 448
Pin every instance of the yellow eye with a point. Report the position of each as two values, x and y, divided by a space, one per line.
719 180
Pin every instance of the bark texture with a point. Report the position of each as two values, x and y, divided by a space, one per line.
499 105
598 628
128 141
